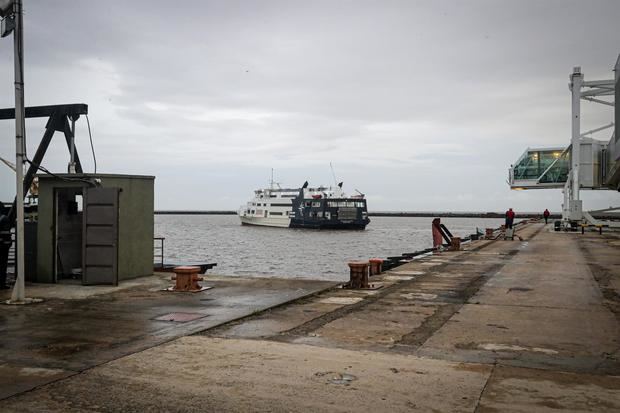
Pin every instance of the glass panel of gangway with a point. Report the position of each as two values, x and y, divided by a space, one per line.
541 167
557 171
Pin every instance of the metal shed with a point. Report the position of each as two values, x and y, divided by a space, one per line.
94 228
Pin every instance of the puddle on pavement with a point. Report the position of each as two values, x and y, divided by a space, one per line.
510 347
40 371
336 378
419 296
405 272
340 300
180 317
397 278
519 289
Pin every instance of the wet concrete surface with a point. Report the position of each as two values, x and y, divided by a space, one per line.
59 337
529 325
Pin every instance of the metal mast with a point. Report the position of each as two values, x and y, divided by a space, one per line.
12 12
19 290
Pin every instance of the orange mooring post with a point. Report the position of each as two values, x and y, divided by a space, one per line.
437 239
455 244
187 278
375 266
359 274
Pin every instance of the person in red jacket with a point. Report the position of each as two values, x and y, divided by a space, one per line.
510 217
546 215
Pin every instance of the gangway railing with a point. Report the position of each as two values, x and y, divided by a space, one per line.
587 216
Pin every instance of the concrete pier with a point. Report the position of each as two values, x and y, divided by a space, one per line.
520 326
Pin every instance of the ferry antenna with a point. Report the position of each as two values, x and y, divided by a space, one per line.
333 174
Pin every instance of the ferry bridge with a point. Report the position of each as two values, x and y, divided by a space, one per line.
586 163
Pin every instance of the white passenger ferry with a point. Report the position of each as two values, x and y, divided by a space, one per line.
320 208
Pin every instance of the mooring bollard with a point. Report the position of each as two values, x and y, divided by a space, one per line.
358 277
375 266
488 233
455 244
187 278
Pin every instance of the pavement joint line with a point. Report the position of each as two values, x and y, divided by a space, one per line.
547 307
516 360
486 383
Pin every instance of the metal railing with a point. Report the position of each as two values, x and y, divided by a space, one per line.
158 251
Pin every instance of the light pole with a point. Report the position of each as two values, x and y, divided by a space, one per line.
11 12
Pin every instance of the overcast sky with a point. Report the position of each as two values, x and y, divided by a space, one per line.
421 105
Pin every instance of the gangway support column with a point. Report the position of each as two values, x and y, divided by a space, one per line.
572 208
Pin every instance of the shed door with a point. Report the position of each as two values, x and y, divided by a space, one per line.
100 236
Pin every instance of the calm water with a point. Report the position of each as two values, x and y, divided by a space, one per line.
295 253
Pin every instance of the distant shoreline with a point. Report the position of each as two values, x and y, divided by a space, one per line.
384 214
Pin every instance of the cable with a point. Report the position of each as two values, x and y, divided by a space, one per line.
92 147
64 178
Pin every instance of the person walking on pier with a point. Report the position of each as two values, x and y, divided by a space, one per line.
5 245
546 215
510 217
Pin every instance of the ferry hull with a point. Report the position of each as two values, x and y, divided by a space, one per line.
265 222
331 225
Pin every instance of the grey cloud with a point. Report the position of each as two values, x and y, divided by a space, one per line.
435 96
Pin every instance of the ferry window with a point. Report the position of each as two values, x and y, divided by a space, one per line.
280 205
287 213
273 196
316 204
308 203
275 213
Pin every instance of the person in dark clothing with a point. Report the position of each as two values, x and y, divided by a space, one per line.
510 217
5 244
546 215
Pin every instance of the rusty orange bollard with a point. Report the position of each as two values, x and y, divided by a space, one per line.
187 278
455 244
359 274
375 266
